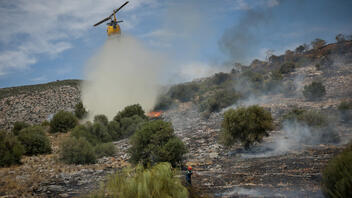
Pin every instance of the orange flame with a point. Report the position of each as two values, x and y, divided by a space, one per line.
154 114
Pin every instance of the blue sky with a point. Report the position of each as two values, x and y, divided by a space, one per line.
42 41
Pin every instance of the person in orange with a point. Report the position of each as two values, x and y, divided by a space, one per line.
189 175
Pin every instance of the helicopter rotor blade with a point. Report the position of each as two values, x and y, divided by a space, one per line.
102 21
120 8
119 21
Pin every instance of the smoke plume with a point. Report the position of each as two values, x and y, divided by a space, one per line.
123 72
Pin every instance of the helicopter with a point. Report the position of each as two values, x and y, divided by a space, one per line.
113 25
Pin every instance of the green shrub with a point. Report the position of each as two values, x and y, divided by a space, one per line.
310 118
102 119
45 123
114 130
80 111
314 91
219 100
130 111
105 149
246 124
100 131
287 68
62 122
220 78
337 176
158 182
18 126
85 131
77 151
11 149
155 142
129 125
34 140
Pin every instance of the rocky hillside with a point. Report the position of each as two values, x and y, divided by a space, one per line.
36 103
281 166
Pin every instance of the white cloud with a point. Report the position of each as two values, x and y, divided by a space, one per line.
39 79
272 3
42 27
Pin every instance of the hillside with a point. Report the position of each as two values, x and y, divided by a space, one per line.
35 103
288 163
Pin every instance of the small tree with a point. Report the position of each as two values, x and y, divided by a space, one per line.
130 111
102 119
337 176
314 91
105 149
80 111
11 149
115 130
155 142
34 140
246 124
18 126
340 38
318 43
77 151
62 122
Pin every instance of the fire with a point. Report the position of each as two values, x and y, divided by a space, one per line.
154 114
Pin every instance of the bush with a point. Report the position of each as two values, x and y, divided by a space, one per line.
100 131
62 122
155 142
287 68
105 149
345 106
219 100
34 140
11 149
114 130
45 123
130 111
314 91
310 118
18 126
85 131
158 182
248 125
77 151
337 176
101 119
80 111
129 125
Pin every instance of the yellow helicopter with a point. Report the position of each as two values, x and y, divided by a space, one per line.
113 25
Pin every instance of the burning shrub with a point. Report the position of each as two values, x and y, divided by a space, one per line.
11 149
62 122
104 149
101 119
314 91
337 176
80 111
246 124
287 68
34 140
130 111
159 181
18 126
156 142
77 151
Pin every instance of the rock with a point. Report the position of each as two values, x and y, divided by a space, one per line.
55 188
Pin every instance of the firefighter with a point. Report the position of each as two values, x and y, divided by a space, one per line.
189 175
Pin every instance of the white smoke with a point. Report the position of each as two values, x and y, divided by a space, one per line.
123 72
